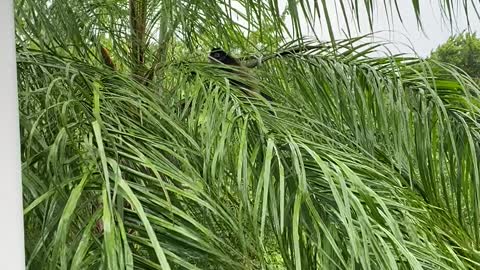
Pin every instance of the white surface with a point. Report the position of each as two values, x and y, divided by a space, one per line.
11 209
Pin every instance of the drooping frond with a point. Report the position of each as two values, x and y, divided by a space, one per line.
360 162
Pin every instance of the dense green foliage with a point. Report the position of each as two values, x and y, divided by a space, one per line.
144 158
463 51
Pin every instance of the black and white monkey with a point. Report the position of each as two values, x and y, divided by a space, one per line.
239 74
240 69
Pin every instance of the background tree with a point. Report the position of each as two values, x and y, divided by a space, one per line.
463 51
132 162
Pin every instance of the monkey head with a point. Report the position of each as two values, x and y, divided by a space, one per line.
218 55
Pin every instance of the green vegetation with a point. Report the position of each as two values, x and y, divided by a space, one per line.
138 155
463 51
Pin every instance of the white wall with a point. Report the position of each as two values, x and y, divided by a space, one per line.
11 209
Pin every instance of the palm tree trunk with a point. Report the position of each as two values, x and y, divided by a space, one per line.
138 12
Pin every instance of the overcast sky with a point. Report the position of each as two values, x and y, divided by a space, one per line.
437 29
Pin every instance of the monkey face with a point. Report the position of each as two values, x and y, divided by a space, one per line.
218 55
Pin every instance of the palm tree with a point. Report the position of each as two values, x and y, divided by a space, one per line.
137 154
